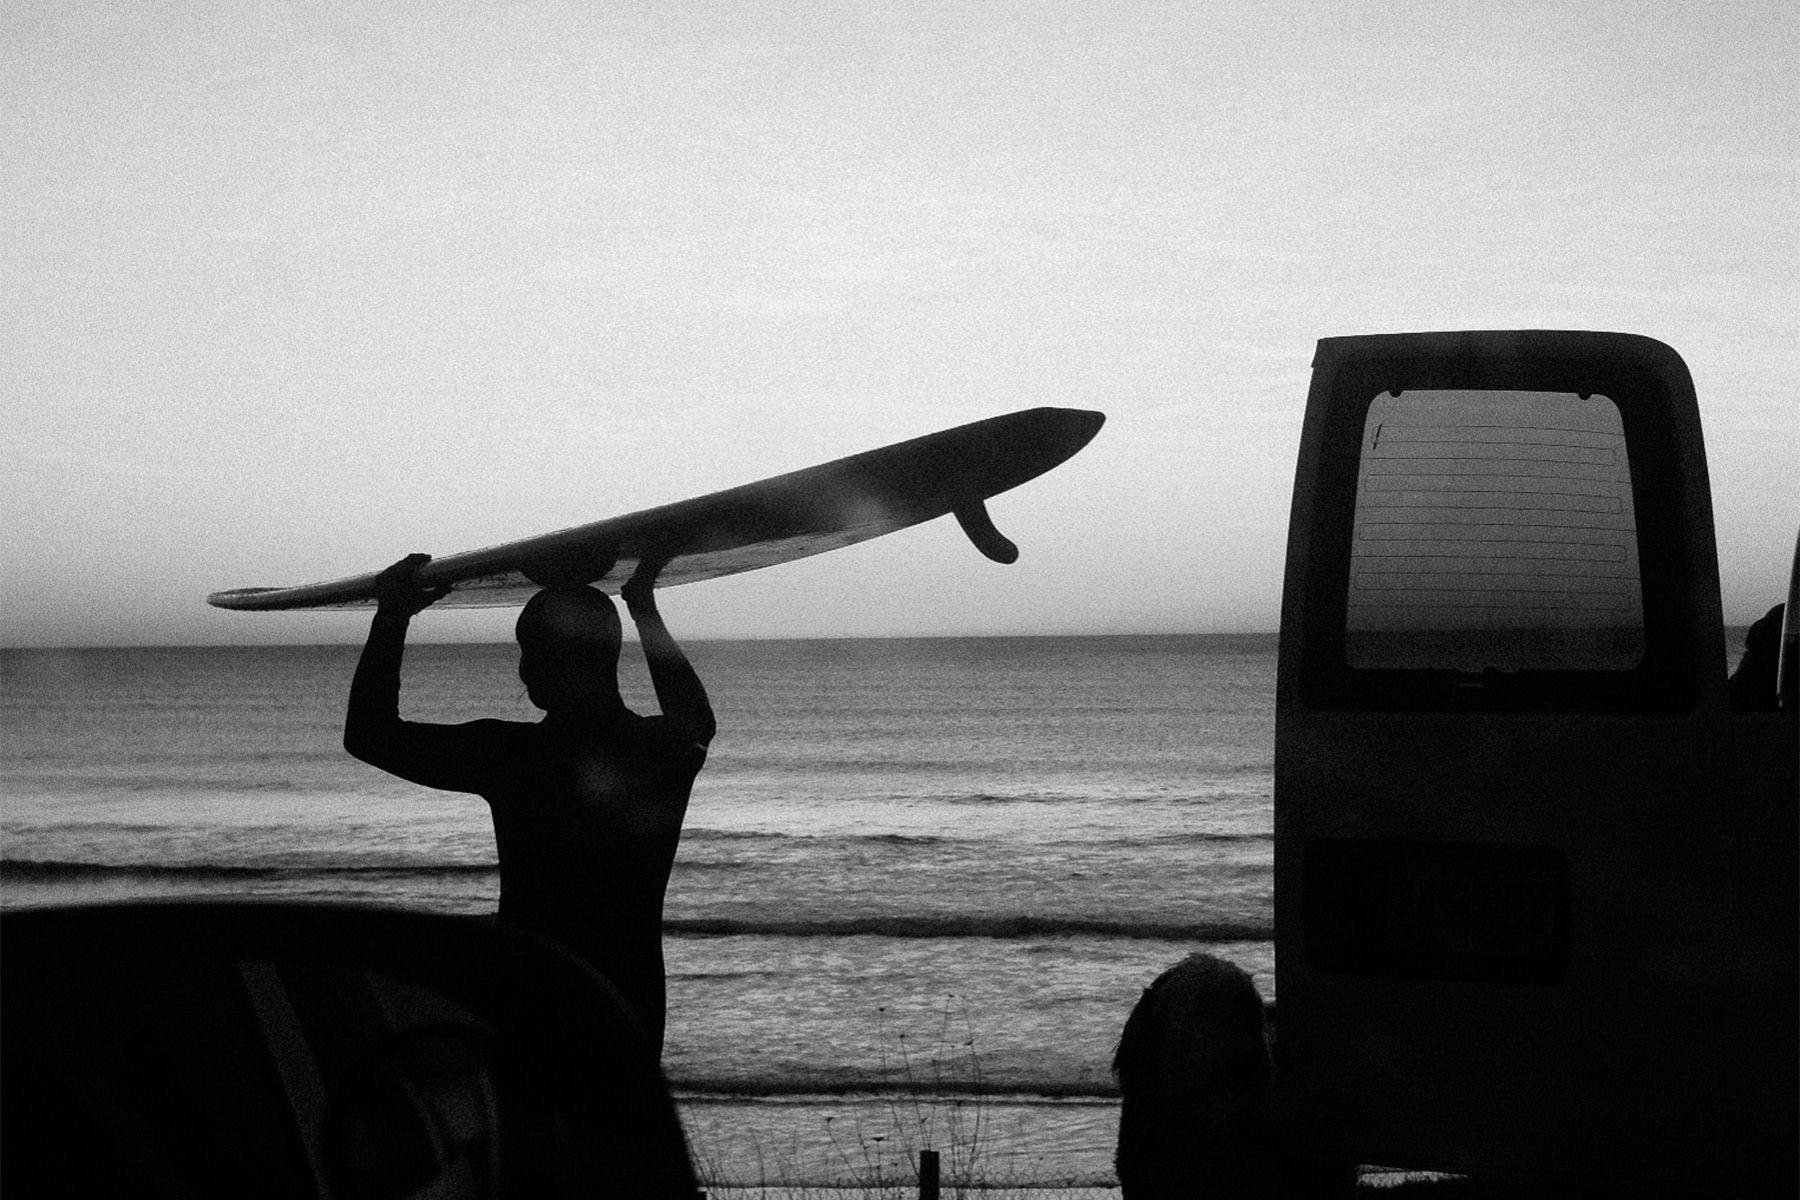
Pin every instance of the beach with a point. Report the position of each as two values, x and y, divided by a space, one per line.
922 881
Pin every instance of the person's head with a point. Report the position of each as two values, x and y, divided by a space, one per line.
569 647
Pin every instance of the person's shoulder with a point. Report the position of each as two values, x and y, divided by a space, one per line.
672 734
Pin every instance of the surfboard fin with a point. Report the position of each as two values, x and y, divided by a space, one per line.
974 519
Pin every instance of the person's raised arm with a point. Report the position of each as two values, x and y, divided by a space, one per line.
678 689
373 730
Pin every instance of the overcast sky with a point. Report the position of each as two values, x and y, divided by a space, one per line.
292 289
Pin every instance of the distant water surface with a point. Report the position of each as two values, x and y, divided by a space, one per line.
943 861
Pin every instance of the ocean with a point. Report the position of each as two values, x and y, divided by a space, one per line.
921 884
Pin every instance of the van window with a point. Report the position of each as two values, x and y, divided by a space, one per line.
1494 531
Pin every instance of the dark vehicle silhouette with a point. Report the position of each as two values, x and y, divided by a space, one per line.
1535 878
288 1050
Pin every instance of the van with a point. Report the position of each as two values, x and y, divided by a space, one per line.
1536 912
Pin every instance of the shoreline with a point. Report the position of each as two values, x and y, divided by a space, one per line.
870 1143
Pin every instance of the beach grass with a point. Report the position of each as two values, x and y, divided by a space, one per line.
870 1145
1016 1192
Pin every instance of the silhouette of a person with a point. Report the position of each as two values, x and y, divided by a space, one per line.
588 802
1752 685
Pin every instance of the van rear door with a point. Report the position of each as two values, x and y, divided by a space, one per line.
1536 901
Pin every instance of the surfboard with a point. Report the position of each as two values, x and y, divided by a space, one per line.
776 520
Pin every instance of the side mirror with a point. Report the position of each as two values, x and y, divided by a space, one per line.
232 1049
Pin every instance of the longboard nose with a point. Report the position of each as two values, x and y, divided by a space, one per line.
1077 425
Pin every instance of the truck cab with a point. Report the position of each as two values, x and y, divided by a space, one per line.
1536 904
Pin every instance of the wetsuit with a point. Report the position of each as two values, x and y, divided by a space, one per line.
587 810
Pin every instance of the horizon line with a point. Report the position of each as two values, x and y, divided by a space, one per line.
696 639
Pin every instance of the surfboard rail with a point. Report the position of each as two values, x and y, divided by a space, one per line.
748 527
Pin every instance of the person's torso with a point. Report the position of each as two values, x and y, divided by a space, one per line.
587 821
